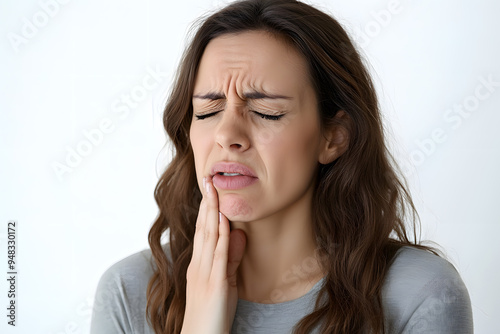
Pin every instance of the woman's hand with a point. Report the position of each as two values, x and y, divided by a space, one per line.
211 291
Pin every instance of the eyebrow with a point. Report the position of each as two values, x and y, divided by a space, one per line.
254 95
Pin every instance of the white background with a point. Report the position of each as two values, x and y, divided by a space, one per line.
72 70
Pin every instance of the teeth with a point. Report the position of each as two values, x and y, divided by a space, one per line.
230 174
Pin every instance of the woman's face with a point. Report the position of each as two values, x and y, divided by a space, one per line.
258 109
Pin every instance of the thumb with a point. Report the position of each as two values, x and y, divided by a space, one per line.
237 243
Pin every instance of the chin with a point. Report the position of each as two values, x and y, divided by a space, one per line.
235 209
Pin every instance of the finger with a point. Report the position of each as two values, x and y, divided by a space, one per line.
221 251
199 230
236 249
210 228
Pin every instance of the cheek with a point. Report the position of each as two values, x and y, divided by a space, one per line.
291 156
270 135
200 146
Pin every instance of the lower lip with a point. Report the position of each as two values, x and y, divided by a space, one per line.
233 182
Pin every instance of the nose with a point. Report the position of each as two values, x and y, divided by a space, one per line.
232 130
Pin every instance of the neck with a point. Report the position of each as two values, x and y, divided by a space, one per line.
280 261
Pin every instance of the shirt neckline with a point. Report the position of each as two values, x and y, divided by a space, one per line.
316 287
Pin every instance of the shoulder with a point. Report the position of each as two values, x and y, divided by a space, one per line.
424 293
120 298
413 268
131 273
133 269
137 265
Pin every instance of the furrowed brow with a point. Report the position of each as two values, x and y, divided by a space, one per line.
254 95
210 96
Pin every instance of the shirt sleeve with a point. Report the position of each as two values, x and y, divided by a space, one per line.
109 313
424 293
444 308
120 299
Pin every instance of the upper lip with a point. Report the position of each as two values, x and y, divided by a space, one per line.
231 167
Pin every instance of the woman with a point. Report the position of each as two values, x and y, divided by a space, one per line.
282 202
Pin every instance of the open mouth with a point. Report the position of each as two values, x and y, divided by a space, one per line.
228 181
230 174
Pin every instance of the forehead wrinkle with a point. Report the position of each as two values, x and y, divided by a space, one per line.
237 68
233 73
237 83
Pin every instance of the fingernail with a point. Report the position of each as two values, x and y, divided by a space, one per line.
220 217
204 182
207 187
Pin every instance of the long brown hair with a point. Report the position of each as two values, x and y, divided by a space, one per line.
361 202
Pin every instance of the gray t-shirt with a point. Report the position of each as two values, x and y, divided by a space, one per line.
423 293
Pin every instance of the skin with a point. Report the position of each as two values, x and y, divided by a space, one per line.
263 249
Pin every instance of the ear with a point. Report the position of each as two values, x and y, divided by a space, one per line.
335 139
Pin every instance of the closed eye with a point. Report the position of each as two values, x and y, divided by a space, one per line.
206 115
264 116
269 117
